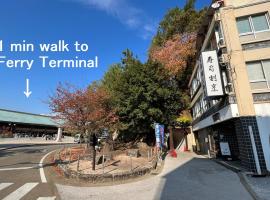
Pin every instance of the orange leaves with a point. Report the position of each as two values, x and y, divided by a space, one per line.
83 109
174 53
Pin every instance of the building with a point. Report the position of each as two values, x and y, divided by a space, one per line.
14 122
230 84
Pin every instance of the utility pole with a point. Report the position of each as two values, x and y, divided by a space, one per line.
93 143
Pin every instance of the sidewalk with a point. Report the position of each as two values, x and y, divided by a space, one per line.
189 176
8 143
259 186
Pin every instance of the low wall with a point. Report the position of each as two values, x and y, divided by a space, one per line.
108 177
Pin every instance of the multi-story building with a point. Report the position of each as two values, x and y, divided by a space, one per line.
230 83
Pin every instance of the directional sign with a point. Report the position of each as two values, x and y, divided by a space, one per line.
27 92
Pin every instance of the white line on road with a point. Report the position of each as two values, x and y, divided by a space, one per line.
20 192
41 170
4 185
17 168
46 198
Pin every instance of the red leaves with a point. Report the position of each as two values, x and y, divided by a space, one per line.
175 52
83 109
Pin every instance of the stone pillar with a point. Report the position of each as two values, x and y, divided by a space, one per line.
59 135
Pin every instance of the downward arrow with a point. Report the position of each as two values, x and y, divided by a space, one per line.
27 92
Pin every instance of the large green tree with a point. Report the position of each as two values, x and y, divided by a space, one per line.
143 94
174 43
178 21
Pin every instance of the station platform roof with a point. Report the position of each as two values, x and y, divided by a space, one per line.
9 116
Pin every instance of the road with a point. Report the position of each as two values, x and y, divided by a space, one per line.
189 176
20 174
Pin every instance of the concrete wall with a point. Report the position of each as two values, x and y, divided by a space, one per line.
226 113
240 2
263 120
237 62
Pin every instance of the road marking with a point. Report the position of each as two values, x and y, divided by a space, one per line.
41 170
21 191
46 198
18 168
4 185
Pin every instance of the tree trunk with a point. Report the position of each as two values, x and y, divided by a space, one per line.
93 144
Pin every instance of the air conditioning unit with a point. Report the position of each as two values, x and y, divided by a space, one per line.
221 42
217 16
223 60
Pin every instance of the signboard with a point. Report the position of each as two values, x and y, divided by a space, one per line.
159 132
225 149
213 83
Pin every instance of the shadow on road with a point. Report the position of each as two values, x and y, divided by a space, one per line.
201 178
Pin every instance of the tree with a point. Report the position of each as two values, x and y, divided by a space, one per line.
83 110
175 53
70 107
178 21
174 44
174 47
143 94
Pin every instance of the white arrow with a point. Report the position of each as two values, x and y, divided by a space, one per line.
1 45
27 92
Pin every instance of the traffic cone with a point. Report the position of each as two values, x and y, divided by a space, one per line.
173 153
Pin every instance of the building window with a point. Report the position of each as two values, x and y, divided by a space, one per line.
253 24
259 74
243 25
200 107
195 83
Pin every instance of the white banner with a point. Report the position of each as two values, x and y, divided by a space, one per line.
213 83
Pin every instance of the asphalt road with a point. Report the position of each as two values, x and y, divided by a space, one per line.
20 173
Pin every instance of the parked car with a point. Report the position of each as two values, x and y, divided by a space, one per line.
78 138
49 137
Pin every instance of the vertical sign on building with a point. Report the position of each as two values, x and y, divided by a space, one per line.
213 83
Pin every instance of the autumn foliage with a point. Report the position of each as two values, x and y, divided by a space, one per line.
174 53
83 109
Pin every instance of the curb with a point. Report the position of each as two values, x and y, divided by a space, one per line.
244 181
13 147
226 165
242 178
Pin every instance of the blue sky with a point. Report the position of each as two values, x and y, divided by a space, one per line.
107 26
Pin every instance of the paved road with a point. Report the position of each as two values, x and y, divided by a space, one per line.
189 177
20 174
15 142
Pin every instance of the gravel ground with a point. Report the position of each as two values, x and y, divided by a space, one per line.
121 163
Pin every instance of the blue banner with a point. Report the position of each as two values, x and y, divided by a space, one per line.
159 132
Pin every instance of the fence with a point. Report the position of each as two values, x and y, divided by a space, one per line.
78 155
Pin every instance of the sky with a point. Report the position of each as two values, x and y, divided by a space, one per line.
107 26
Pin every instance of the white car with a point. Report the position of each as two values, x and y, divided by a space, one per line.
78 138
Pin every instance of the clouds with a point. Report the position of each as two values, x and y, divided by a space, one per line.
132 17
